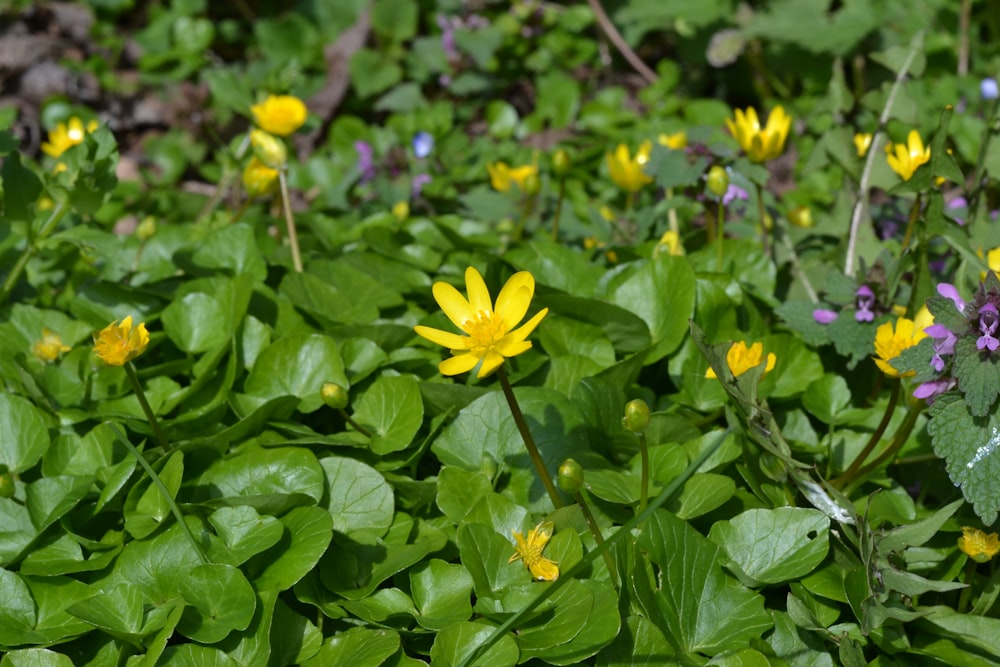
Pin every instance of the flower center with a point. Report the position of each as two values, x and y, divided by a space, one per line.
531 554
485 331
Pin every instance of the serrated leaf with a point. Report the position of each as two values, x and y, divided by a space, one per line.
978 376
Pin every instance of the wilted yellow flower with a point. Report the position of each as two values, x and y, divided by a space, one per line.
66 135
530 551
502 177
905 158
117 344
862 142
676 141
669 243
801 216
889 343
269 149
491 336
760 144
259 179
741 358
49 346
625 170
280 114
977 545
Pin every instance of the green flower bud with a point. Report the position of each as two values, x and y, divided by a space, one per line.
636 417
269 149
532 184
717 181
561 163
334 395
570 478
146 229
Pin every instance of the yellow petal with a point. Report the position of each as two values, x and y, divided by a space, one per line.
447 339
462 363
515 298
525 329
453 304
544 570
491 361
479 296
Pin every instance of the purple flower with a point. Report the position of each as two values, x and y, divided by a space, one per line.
366 165
945 344
734 192
928 390
418 183
950 292
988 89
423 144
989 320
958 203
447 37
824 316
864 302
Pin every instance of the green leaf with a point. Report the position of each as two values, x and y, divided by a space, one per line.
309 531
772 546
640 642
363 647
21 188
585 619
697 604
220 600
703 493
17 613
827 398
196 323
393 412
18 532
980 632
360 500
441 592
118 609
917 533
232 248
145 507
49 498
23 434
35 657
297 366
459 490
968 446
486 555
328 302
244 532
661 292
195 655
457 642
978 376
372 72
395 19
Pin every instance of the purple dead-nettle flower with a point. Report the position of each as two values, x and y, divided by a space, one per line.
448 37
949 291
928 390
864 302
989 321
423 144
366 164
945 344
418 183
824 315
734 192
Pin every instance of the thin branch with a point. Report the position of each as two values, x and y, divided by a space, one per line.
616 38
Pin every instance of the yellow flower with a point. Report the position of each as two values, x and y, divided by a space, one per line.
502 176
49 346
760 144
862 142
607 213
905 158
530 551
259 179
280 114
992 261
741 358
801 217
401 210
119 343
890 343
67 135
977 545
676 141
669 243
491 336
922 319
625 170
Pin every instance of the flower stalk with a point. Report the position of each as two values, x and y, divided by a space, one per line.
29 251
595 530
852 471
911 223
144 404
286 205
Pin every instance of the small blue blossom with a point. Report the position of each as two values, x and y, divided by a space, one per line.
988 88
423 144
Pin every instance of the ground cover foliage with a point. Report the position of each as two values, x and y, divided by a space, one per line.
552 333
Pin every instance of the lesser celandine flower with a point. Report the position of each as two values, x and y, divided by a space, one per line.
801 217
669 243
280 114
269 149
905 158
490 333
740 358
49 346
627 171
66 135
118 344
401 210
891 341
862 142
502 177
676 141
977 545
259 179
530 551
760 143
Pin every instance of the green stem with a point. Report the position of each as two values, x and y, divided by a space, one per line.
852 471
286 204
966 594
595 530
762 215
357 427
912 222
174 509
29 251
644 481
529 441
897 442
720 220
144 404
558 213
984 142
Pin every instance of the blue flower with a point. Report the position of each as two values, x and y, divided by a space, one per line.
423 144
988 89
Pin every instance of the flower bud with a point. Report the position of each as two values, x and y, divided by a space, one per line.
401 211
334 395
636 417
561 163
570 477
532 184
6 482
717 181
488 465
258 179
801 216
269 149
146 229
